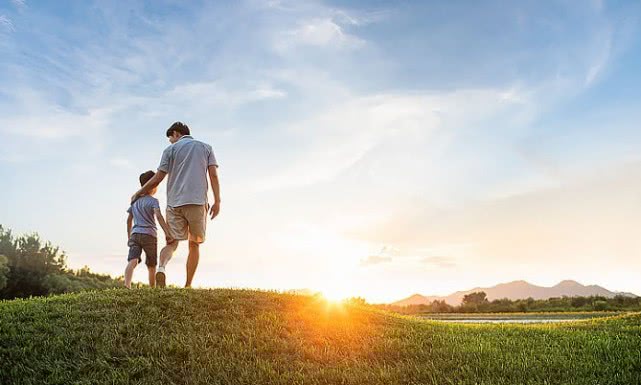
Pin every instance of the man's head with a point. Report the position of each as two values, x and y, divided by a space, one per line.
177 131
145 177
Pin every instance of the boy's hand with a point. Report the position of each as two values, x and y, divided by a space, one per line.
169 239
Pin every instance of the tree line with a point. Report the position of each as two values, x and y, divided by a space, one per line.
478 303
30 266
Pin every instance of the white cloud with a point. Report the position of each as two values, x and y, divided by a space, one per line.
56 123
6 24
375 260
19 3
333 141
35 116
320 32
582 224
214 93
603 48
440 262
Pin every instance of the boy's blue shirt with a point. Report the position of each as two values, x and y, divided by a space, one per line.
143 212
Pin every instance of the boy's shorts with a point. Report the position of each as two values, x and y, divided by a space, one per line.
188 222
139 242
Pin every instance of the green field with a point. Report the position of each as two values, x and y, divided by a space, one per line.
249 337
532 317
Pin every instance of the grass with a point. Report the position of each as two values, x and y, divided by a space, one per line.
520 316
248 337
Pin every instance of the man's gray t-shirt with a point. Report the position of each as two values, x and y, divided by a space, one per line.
186 163
143 211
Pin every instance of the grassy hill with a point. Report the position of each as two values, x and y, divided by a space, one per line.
250 337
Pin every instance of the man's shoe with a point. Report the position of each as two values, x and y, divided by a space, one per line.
160 278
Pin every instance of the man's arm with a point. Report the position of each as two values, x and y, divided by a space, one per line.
151 183
163 225
215 186
130 220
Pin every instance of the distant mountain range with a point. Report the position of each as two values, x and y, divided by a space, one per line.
518 290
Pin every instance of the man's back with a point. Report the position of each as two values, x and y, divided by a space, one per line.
186 163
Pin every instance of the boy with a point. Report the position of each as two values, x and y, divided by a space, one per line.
142 236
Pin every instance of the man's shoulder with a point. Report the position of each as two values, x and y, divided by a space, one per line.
206 145
199 143
168 149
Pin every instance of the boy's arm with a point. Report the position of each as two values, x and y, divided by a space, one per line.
163 225
130 220
215 186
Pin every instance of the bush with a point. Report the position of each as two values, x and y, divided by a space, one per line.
32 267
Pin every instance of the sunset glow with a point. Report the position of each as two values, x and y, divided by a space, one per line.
364 149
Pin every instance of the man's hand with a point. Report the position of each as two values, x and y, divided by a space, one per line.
169 239
215 209
135 197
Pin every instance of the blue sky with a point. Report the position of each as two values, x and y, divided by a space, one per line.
372 148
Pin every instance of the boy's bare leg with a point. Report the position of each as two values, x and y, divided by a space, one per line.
152 276
192 261
129 272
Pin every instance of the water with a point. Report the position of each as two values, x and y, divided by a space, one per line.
513 318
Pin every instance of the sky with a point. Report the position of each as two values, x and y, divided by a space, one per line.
374 149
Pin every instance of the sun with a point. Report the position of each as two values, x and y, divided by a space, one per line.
336 291
334 296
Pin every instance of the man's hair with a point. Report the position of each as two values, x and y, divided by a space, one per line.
145 176
179 127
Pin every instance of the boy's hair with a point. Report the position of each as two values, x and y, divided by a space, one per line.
145 176
179 127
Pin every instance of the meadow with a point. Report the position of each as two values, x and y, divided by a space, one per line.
227 336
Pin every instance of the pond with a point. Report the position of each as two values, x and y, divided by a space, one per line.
522 318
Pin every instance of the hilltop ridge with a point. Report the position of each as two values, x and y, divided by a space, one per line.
225 336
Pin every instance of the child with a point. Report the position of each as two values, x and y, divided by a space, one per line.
142 236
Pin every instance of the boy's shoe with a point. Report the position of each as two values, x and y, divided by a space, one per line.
160 277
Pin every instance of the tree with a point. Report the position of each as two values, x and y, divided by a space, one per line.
600 305
476 298
440 307
4 271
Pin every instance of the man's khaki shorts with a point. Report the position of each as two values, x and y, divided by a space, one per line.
188 222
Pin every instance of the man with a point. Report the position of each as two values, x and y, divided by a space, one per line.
187 162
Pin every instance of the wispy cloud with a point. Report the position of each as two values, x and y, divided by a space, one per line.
6 24
603 48
324 32
355 128
375 260
441 262
20 4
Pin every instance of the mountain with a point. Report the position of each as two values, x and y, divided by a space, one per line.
518 290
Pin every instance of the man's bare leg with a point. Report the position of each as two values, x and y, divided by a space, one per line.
152 275
167 252
129 272
192 261
165 255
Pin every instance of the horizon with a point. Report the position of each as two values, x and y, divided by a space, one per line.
366 149
513 282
